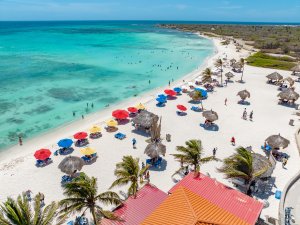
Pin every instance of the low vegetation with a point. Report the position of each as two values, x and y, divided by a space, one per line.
260 59
269 39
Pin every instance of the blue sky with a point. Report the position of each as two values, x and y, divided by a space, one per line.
198 10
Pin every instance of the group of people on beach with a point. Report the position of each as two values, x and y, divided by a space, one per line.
245 115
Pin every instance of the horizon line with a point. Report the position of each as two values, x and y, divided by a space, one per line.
148 20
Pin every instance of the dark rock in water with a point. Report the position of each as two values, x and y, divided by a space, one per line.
43 109
5 106
39 110
65 94
15 120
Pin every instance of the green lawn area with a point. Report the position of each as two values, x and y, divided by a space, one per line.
260 59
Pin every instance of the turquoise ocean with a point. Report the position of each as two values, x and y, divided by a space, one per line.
48 70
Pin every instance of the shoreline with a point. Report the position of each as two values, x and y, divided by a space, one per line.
99 117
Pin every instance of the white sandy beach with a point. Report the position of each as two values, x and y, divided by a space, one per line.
19 173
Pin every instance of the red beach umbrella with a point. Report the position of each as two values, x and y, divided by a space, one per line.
120 114
170 92
132 109
181 107
42 154
80 135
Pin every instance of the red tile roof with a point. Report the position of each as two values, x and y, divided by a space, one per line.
235 202
184 207
135 210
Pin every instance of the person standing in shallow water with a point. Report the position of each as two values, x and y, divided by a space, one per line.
20 140
73 113
82 116
92 105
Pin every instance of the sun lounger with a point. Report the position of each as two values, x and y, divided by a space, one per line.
196 109
65 179
42 163
120 136
155 163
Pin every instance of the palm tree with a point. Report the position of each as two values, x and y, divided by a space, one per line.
219 63
81 195
240 165
192 155
207 75
129 171
20 212
242 62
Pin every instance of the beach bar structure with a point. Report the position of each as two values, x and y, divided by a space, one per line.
144 120
192 201
134 210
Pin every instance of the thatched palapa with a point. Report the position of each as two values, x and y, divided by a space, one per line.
145 119
290 81
155 148
229 75
71 164
289 95
244 94
277 141
296 69
210 115
274 76
259 163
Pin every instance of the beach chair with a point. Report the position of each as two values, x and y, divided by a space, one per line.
40 163
65 179
70 223
195 109
278 194
120 136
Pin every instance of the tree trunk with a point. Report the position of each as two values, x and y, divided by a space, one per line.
242 74
221 75
94 215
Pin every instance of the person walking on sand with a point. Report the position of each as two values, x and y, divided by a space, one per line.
169 83
284 162
134 143
20 140
233 141
226 101
251 116
245 114
214 152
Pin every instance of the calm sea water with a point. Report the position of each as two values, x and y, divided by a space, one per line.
48 70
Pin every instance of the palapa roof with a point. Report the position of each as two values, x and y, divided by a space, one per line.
229 75
210 115
237 65
145 119
277 141
244 94
185 207
229 199
261 162
155 149
134 210
290 80
289 94
71 163
296 68
274 76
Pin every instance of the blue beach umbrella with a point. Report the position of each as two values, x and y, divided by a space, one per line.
161 100
162 96
65 143
177 89
203 92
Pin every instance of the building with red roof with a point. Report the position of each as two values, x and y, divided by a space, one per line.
134 210
229 199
